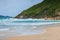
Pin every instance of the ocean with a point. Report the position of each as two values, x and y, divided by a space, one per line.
13 27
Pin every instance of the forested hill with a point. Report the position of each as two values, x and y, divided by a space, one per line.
45 9
1 16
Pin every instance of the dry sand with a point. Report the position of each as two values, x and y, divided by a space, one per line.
52 33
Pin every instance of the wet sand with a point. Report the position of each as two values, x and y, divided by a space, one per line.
52 33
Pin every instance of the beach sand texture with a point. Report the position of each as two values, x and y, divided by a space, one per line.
52 33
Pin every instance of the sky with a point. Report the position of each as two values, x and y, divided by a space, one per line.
14 7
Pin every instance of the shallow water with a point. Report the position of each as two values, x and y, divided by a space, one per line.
13 27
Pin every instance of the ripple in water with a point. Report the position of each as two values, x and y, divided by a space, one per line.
12 27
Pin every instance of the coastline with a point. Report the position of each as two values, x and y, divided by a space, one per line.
52 33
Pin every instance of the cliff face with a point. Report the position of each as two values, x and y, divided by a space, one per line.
45 9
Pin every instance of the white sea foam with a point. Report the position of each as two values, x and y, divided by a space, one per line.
33 32
27 22
24 26
4 29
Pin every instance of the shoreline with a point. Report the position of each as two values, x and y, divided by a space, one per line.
51 32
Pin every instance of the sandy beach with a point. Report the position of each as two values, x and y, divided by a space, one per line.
52 33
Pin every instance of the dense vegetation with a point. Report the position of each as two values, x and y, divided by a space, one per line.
45 9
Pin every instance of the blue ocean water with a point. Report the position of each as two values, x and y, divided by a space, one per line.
11 22
14 26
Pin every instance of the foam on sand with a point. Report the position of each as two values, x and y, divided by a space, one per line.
4 29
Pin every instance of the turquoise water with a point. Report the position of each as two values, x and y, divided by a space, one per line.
10 22
23 26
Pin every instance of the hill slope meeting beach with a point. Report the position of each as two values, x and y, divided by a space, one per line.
30 20
48 9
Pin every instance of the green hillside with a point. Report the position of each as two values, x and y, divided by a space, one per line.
45 9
